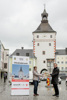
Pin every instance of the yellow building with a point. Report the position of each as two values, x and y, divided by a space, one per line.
23 52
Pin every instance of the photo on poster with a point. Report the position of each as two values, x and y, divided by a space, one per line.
20 71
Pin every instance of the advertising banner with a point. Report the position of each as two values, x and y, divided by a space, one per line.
20 76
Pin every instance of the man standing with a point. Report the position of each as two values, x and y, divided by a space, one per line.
55 75
36 77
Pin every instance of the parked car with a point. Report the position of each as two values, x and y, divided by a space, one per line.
66 81
63 76
30 77
59 80
43 78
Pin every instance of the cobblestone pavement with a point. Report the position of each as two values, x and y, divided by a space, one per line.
44 93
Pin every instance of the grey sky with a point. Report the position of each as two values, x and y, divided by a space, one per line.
19 18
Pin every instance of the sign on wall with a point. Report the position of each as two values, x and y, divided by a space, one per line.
20 76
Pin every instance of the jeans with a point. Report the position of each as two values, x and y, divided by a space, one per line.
35 86
56 89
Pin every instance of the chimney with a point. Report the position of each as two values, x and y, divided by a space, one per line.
22 47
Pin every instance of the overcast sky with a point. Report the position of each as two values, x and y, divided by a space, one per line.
19 18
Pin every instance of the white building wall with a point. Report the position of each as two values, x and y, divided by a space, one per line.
44 35
44 40
6 52
3 57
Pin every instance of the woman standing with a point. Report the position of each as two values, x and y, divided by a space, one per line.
36 77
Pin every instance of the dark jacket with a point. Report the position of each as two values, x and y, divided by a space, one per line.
55 75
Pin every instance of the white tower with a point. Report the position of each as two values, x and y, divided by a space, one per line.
44 44
21 74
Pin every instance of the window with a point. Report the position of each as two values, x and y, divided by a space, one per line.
37 36
50 36
37 44
49 44
29 69
58 62
66 62
62 62
5 65
29 62
44 17
17 54
62 68
65 68
44 61
27 54
43 52
56 52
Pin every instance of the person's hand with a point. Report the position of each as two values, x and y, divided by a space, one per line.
49 75
43 75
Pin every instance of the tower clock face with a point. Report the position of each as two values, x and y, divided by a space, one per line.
44 35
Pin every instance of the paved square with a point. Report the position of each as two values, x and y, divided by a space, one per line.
44 93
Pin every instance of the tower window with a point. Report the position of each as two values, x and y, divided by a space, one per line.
50 36
44 61
37 44
37 36
49 44
43 52
44 17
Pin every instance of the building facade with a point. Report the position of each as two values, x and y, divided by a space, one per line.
3 58
61 59
23 52
44 44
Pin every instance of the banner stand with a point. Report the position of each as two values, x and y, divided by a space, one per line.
20 76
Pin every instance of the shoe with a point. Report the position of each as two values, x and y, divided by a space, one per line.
34 95
54 95
37 94
57 95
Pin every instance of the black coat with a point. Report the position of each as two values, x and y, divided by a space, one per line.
55 75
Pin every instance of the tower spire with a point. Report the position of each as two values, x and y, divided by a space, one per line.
44 6
44 15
